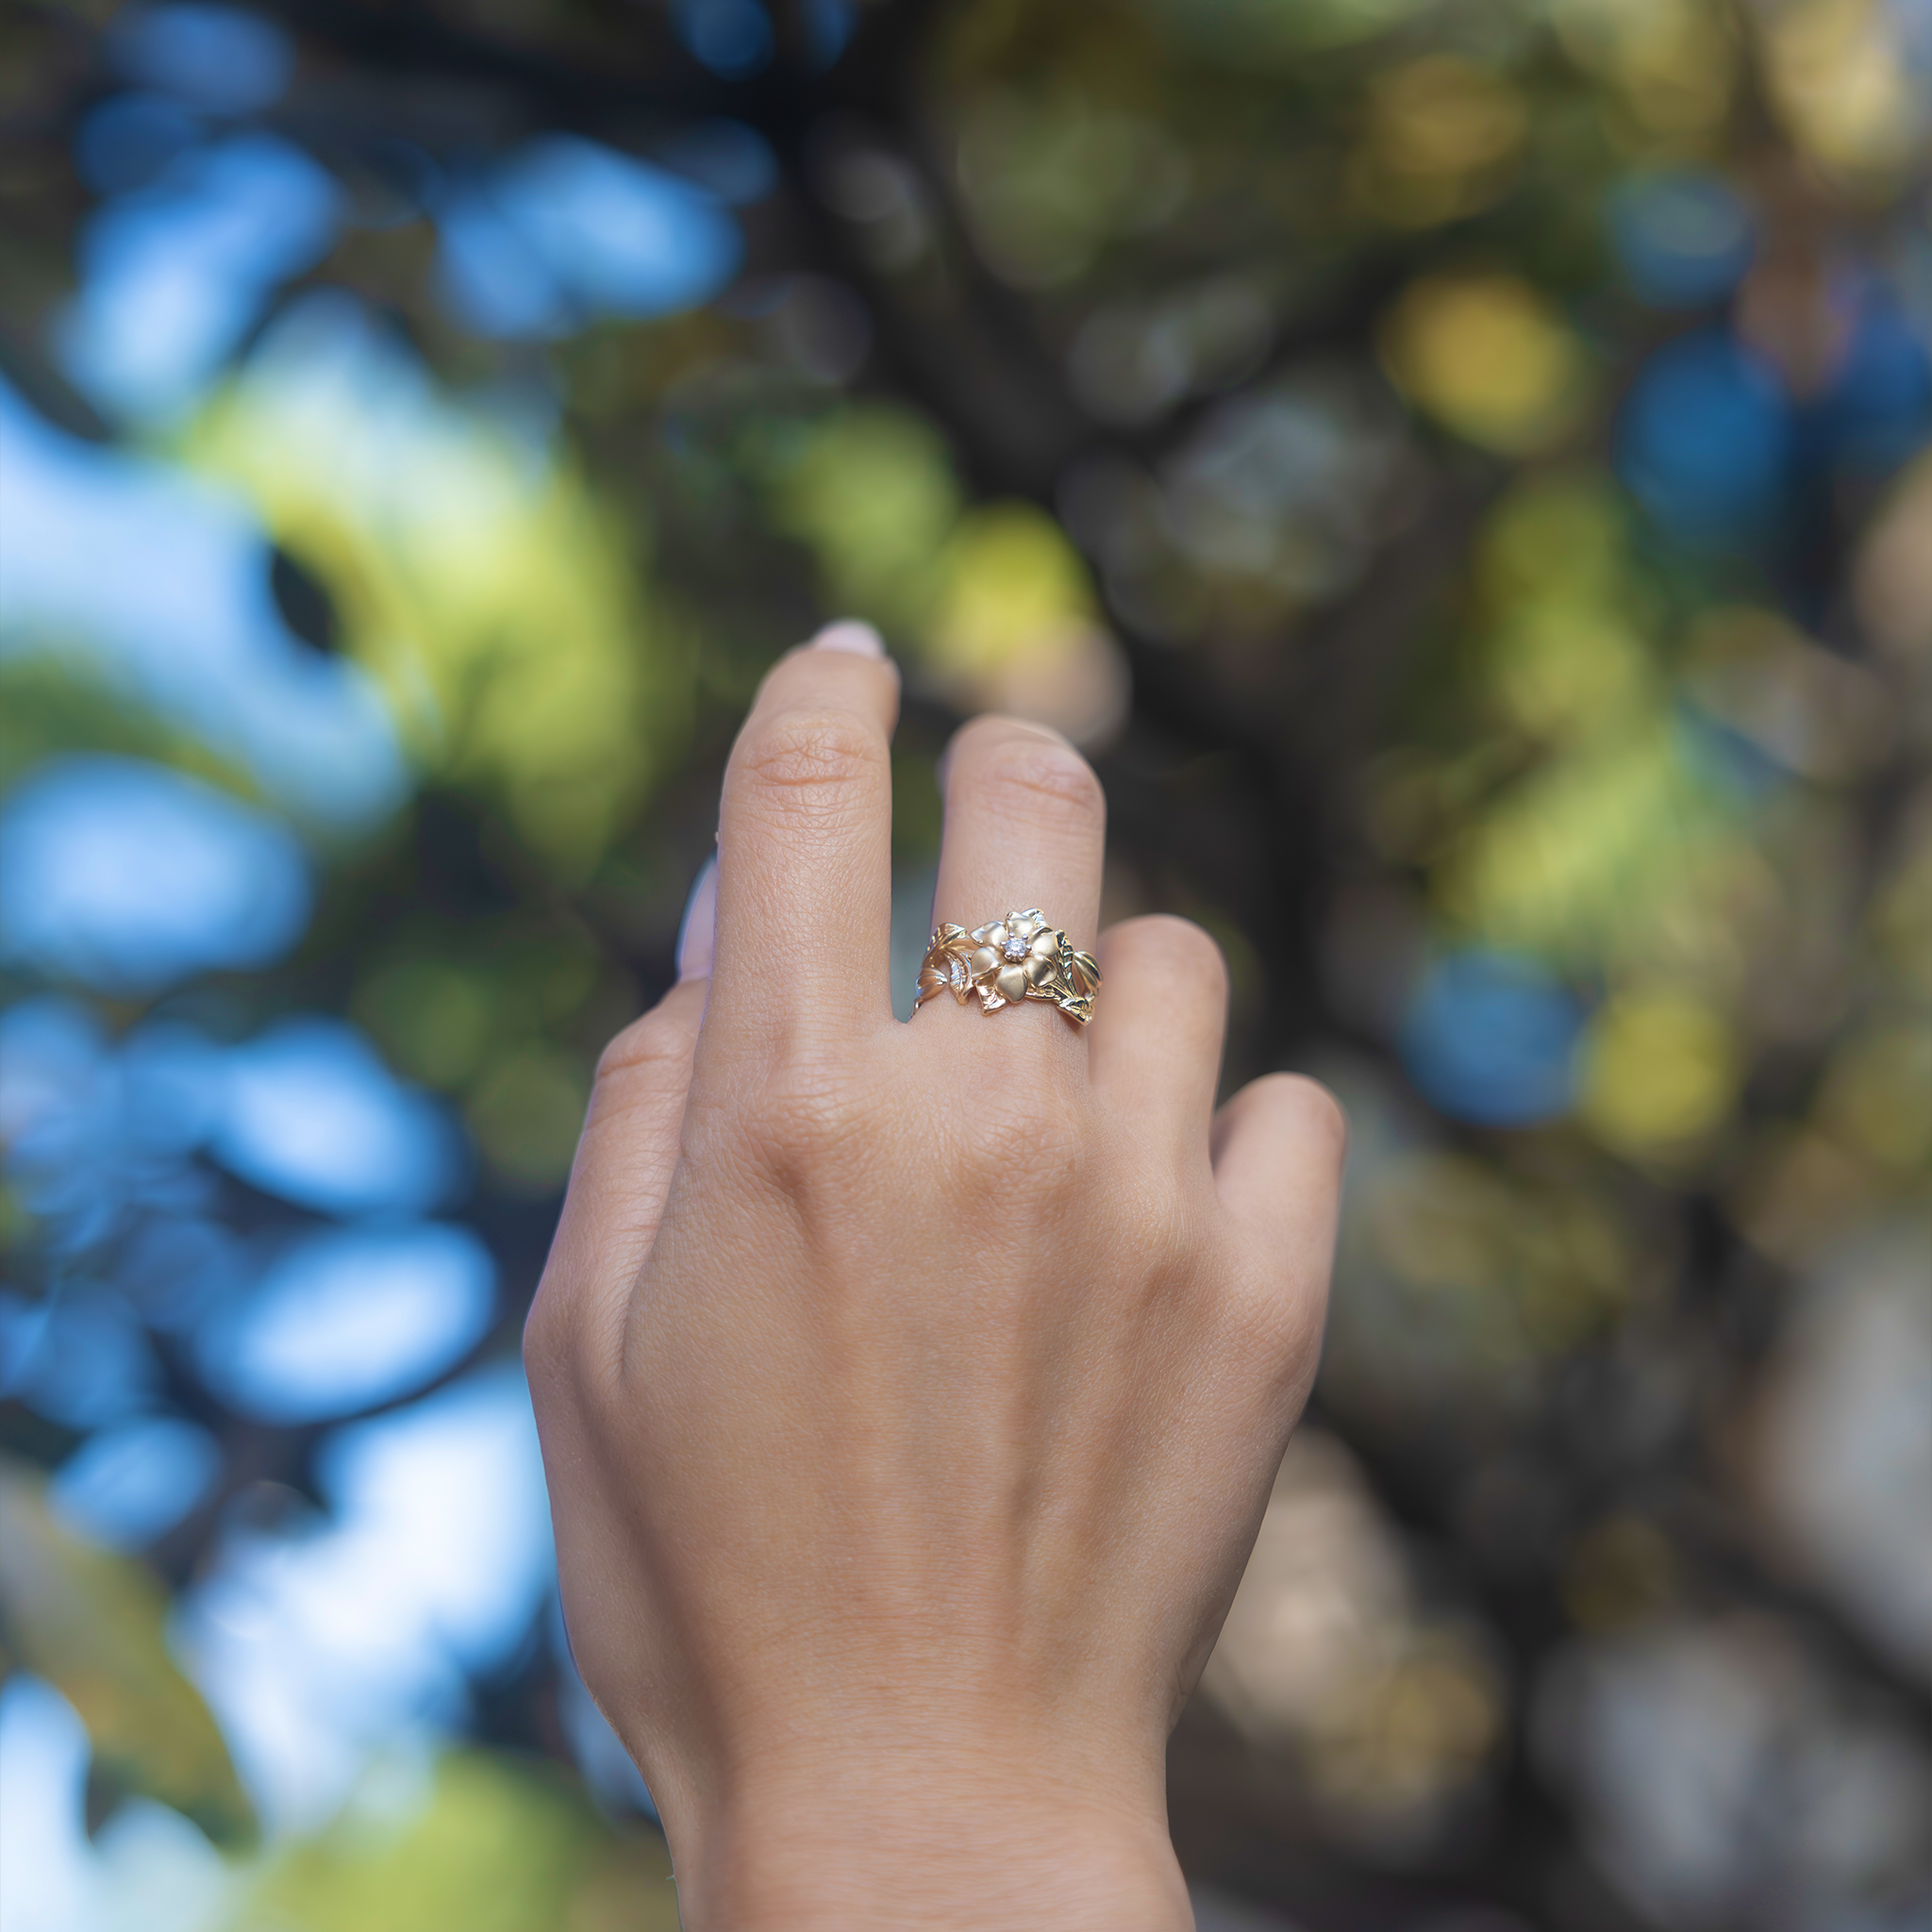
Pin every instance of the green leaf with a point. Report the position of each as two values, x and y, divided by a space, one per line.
91 1623
496 1845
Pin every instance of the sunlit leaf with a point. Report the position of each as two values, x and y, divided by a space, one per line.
1488 357
872 493
91 1623
489 590
493 1845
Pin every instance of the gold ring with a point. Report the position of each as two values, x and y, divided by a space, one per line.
1022 956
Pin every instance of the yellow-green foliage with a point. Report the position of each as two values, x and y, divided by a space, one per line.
487 588
496 1846
871 491
91 1623
872 494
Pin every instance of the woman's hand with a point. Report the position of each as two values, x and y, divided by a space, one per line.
910 1393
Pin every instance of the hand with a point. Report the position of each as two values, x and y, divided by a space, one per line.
910 1393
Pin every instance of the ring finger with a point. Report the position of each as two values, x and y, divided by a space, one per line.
1026 825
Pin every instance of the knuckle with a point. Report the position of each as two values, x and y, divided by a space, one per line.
809 761
1254 1302
564 1363
1158 1225
1316 1115
1012 1142
1272 1320
1181 951
1031 778
656 1041
798 1127
1251 1330
548 1340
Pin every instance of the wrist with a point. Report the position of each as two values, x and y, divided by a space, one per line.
921 1848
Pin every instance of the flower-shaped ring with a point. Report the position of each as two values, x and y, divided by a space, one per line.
1022 956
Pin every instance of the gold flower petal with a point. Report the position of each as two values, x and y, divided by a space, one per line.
1012 982
984 961
1039 968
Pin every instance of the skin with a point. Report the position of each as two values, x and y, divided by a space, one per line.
910 1393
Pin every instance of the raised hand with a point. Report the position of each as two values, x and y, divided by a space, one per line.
911 1392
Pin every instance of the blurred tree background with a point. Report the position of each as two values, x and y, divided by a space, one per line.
1455 463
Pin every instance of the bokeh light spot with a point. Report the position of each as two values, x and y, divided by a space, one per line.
81 1359
321 1644
129 876
526 1112
1442 137
310 1112
1705 442
1658 1070
174 277
727 158
733 38
129 139
1490 358
220 58
349 1319
129 1484
566 228
1683 239
1491 1038
184 626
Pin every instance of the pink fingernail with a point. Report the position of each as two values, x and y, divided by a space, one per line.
849 633
697 936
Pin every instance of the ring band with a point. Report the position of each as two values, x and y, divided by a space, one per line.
1022 956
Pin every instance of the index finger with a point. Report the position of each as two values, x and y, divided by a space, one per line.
805 833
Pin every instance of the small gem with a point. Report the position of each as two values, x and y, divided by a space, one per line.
1015 946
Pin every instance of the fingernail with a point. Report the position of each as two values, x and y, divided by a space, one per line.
697 936
861 640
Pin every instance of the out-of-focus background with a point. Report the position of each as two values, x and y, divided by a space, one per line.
1455 463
